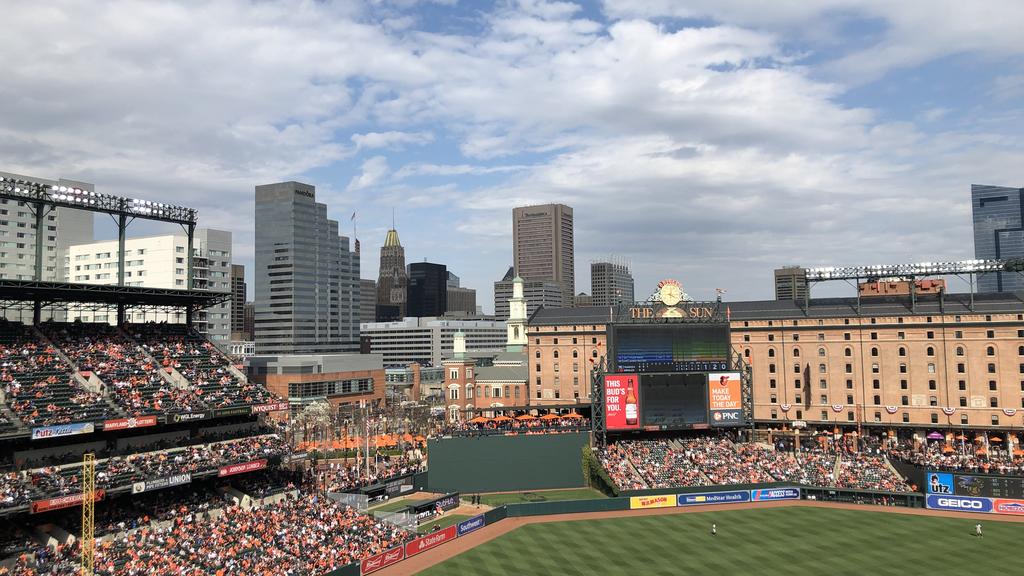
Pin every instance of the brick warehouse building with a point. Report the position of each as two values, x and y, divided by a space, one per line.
893 363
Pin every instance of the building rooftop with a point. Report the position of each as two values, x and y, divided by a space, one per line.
987 303
502 373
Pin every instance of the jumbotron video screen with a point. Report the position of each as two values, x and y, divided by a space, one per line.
671 348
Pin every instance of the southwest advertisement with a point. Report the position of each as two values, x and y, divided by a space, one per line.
725 399
622 402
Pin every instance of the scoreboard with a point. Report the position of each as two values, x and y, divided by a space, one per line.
976 486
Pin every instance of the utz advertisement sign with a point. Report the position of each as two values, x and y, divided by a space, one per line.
939 482
63 430
382 560
725 399
622 402
659 501
958 503
769 494
704 498
433 540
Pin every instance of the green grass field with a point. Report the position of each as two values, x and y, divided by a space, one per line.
539 496
442 522
779 541
393 505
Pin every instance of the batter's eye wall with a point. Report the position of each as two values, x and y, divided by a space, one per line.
506 463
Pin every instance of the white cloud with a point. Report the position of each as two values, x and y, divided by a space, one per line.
373 172
392 139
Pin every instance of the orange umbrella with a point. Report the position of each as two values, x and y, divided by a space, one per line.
995 439
572 415
420 439
947 449
407 437
480 420
525 417
549 416
1018 452
502 418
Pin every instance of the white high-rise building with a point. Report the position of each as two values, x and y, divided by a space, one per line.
159 262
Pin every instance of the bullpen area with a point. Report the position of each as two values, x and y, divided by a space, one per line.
775 541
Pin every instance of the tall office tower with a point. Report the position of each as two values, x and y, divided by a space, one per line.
62 228
392 281
238 303
307 278
428 290
367 300
611 283
249 319
542 246
791 283
460 300
998 233
161 261
538 294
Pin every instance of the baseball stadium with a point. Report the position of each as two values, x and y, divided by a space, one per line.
876 435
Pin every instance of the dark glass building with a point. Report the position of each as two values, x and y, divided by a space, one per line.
428 289
998 233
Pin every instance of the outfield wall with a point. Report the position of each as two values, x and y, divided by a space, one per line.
506 463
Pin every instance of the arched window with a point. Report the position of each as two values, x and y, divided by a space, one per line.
538 354
469 390
594 353
848 352
990 351
575 353
930 351
821 351
796 352
771 352
902 351
993 402
556 353
746 353
874 351
959 350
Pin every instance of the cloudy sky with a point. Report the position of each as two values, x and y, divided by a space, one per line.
705 140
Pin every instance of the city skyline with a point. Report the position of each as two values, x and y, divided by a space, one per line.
711 143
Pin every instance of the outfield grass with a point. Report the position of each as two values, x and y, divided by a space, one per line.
444 522
779 541
392 505
539 496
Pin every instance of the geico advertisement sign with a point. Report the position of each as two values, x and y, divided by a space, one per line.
661 501
958 503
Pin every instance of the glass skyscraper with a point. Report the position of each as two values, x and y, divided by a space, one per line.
307 278
998 233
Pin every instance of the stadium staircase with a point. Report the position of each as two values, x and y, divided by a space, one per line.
837 468
169 374
92 383
676 445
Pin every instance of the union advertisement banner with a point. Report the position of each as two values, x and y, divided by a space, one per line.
161 483
725 399
63 502
659 501
382 560
424 543
242 468
128 423
622 402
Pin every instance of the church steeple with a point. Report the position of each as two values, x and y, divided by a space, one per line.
516 341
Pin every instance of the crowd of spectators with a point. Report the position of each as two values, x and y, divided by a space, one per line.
348 476
509 425
868 472
304 535
708 460
18 489
38 384
959 457
199 362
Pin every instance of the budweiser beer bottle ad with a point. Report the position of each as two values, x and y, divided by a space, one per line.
622 401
